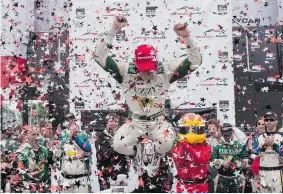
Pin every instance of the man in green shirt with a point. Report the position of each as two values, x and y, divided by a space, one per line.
229 157
45 133
12 144
31 165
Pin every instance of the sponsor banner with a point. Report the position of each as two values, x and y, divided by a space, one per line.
152 22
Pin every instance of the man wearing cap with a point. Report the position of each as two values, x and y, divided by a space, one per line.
145 82
230 157
269 147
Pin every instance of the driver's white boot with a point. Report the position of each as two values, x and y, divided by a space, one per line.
145 153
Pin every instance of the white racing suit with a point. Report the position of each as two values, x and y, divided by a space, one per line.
74 167
271 164
146 102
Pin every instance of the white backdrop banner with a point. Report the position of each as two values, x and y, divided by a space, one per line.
152 22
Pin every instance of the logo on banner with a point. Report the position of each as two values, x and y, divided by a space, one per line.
255 44
120 35
214 81
80 13
83 84
151 34
222 82
151 10
270 56
257 68
205 36
212 33
182 83
79 60
271 79
223 57
238 57
224 105
237 33
181 11
90 36
222 9
195 10
185 10
248 20
221 33
269 32
79 104
116 11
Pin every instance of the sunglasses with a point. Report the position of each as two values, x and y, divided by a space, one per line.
198 130
270 120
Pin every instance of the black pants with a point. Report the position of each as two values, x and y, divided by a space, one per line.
212 174
249 175
3 181
248 187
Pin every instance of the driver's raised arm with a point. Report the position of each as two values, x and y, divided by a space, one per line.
182 67
101 55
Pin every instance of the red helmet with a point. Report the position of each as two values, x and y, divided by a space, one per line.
146 58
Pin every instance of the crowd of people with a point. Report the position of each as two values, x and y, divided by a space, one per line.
194 156
221 159
30 155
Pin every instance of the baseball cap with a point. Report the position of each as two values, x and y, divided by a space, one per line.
271 114
227 129
145 58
